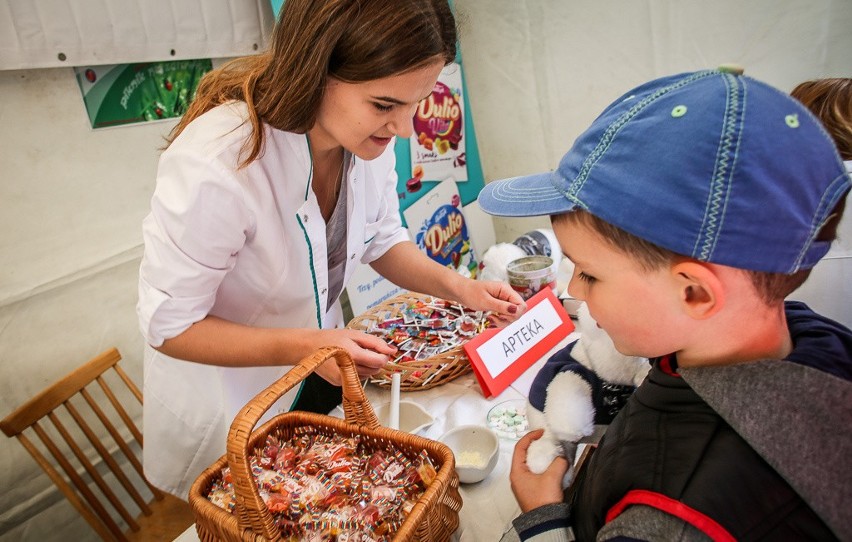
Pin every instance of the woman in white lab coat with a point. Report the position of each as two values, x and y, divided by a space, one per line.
276 183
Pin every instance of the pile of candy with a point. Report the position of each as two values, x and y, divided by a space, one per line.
323 486
422 329
509 420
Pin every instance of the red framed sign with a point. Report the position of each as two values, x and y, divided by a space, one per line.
500 356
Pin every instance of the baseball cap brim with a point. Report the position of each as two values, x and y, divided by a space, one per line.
530 195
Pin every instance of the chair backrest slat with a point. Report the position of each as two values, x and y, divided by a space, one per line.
129 383
128 453
120 409
78 482
108 459
92 472
37 407
66 489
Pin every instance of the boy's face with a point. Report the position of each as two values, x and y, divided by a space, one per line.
636 307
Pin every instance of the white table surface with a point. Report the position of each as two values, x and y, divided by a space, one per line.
488 506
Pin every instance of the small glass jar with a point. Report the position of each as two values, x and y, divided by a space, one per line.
530 274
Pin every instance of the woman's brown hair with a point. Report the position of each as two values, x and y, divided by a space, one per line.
351 40
830 100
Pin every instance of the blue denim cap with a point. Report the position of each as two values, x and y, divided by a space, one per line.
711 164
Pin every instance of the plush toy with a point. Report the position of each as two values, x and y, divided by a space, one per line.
537 242
496 258
582 386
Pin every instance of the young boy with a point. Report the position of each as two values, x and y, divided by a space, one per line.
692 206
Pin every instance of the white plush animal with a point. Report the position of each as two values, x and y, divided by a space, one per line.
581 386
541 241
496 258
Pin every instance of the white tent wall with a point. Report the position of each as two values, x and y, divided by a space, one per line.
538 71
71 205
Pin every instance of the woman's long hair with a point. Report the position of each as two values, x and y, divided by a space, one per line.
351 40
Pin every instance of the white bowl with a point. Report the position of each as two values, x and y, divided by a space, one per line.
475 449
412 417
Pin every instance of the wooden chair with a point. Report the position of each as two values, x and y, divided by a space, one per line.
105 484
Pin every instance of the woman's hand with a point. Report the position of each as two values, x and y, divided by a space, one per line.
533 490
215 341
410 268
369 352
504 303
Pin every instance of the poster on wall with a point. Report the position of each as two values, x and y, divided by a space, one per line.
437 186
121 94
438 143
438 226
418 176
366 289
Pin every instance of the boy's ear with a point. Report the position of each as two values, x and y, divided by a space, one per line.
701 291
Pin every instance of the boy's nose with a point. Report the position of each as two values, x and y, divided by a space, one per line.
576 288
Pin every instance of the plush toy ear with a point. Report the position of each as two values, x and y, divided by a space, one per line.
701 291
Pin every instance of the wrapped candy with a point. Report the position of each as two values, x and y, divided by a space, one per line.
286 459
323 486
223 497
426 329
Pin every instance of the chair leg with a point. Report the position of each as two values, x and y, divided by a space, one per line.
69 492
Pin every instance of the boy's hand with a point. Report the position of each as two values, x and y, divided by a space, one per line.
533 490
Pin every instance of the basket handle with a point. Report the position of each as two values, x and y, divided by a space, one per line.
356 408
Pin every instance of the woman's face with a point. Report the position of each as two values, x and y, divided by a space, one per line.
363 117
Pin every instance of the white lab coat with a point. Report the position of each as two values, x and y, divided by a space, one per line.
247 245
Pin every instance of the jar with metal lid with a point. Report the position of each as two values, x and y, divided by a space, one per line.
530 274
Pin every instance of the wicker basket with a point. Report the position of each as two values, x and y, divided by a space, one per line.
418 374
433 518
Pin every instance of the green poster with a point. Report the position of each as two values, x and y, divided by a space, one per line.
131 93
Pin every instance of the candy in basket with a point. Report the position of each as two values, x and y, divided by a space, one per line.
429 334
305 476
